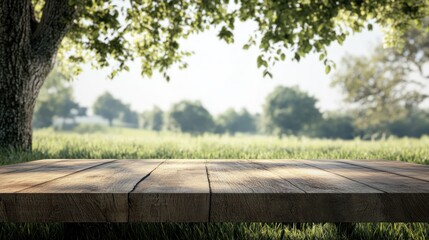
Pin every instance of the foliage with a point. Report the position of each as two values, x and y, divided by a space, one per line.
153 120
289 110
189 117
108 33
382 86
334 126
55 99
232 122
112 33
129 117
380 89
111 108
415 52
416 125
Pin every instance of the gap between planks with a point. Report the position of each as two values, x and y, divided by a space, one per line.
368 165
208 175
135 186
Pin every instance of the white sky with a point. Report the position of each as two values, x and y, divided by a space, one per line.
223 76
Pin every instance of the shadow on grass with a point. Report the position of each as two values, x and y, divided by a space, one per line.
210 231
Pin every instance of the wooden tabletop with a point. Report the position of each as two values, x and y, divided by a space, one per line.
188 190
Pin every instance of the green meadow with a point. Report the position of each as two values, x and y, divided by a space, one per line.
141 144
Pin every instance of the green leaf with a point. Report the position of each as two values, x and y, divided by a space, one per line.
226 35
327 69
107 32
297 57
261 62
267 73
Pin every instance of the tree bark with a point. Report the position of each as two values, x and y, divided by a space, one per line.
27 53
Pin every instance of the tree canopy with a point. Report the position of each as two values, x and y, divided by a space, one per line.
334 125
190 117
110 33
108 107
153 120
289 110
129 117
386 85
232 122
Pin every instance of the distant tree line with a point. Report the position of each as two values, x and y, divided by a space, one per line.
112 108
384 92
287 111
192 117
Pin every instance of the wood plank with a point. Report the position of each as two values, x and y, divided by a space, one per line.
311 179
413 170
119 176
177 191
98 194
325 197
217 190
383 181
28 165
245 192
11 182
350 201
404 199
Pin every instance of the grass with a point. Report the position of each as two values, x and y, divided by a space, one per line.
125 143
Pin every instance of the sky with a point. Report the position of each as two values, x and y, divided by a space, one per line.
224 76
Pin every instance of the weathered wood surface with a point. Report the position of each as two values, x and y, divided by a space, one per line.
11 182
100 194
177 191
185 190
412 170
28 165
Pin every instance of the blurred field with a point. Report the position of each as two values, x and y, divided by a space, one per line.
126 143
141 144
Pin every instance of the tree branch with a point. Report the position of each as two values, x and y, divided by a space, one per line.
57 17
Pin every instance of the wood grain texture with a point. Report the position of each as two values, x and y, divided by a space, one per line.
118 176
11 182
98 194
413 170
177 191
287 191
213 190
311 179
383 181
403 198
20 167
242 191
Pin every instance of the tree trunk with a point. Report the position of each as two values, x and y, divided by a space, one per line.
16 112
27 52
16 90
